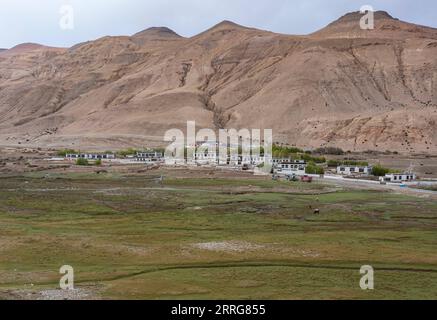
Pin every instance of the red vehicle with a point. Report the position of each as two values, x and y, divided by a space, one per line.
306 179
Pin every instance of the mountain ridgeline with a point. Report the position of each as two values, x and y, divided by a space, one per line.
340 86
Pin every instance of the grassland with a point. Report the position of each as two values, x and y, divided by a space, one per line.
203 237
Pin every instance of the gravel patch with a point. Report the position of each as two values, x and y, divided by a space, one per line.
55 294
228 246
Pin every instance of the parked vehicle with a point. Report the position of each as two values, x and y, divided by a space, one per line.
307 179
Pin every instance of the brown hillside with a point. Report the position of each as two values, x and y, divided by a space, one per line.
340 86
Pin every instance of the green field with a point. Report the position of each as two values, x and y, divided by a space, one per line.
130 237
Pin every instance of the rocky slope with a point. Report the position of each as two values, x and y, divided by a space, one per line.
340 86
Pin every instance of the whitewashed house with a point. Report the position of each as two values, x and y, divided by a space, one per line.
276 161
90 156
296 167
241 160
232 160
354 170
149 157
206 157
254 160
398 177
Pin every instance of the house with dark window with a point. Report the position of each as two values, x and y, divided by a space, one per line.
398 177
354 170
90 156
296 167
149 157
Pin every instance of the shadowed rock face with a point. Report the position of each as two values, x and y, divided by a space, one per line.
341 86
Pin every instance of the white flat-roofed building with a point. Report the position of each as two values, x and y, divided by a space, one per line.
206 157
239 160
296 167
90 156
253 160
398 177
275 161
354 170
149 157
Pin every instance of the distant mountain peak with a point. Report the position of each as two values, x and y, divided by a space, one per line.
357 15
28 46
386 26
227 24
159 32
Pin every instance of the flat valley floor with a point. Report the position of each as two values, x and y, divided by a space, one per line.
203 234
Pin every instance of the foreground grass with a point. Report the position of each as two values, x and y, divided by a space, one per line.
214 238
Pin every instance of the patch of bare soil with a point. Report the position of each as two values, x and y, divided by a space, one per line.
228 246
56 294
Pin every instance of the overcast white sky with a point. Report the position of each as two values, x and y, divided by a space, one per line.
38 20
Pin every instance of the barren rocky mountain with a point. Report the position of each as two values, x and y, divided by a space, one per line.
340 86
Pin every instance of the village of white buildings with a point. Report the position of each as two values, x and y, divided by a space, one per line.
301 166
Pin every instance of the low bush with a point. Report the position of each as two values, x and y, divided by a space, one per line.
64 152
313 168
82 162
334 163
330 151
127 152
309 158
380 171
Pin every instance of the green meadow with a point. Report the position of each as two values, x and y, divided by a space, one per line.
132 237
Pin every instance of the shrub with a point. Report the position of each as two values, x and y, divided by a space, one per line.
355 163
380 171
295 153
284 152
312 168
334 163
330 150
98 162
127 152
309 158
82 162
64 152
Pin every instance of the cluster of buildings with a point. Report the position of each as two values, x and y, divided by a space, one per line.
367 171
149 157
285 166
90 156
280 166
